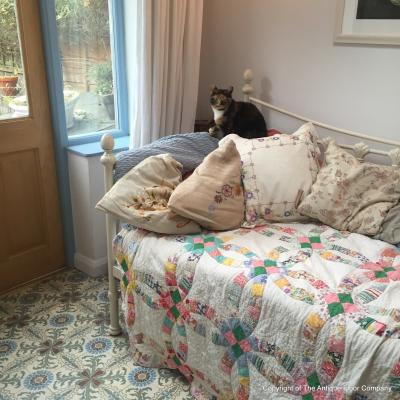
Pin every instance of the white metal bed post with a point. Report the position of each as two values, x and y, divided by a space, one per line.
247 89
108 161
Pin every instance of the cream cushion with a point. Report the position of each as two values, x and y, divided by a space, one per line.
213 195
277 171
349 195
141 196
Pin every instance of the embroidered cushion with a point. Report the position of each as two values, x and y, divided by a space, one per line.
141 197
349 195
213 195
276 172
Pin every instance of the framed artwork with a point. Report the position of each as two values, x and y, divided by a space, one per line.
368 22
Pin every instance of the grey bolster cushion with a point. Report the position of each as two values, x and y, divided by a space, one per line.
187 148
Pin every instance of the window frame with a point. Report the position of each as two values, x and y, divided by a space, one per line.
55 77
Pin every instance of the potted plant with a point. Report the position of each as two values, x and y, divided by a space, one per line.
103 78
9 48
8 85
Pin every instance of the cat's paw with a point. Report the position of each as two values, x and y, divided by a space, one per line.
213 130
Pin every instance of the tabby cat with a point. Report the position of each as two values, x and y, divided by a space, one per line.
232 116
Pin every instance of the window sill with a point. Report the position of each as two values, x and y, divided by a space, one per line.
94 149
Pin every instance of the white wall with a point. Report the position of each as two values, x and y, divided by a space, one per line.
87 188
289 46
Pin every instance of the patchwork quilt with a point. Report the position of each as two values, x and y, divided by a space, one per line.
282 311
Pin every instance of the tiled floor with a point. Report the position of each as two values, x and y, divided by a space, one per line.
54 345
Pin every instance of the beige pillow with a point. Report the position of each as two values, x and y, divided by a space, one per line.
349 195
141 196
277 171
213 195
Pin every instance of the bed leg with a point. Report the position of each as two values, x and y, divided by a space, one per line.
115 328
108 161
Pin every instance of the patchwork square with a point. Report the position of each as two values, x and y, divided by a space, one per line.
238 333
282 282
175 312
245 345
228 261
332 298
350 308
345 298
237 350
176 297
259 271
124 265
335 309
312 242
230 338
313 381
198 246
388 269
257 289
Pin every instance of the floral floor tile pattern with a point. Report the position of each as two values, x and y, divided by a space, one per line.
54 345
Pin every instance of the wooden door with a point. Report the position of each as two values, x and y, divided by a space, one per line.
31 239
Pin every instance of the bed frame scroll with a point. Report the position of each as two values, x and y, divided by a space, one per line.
360 149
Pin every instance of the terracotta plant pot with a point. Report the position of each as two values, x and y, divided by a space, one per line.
8 85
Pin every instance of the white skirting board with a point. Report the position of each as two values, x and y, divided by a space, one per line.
89 266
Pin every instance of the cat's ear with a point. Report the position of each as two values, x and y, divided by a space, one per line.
213 89
230 89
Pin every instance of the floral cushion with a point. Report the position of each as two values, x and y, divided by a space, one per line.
141 197
353 196
277 171
390 229
213 195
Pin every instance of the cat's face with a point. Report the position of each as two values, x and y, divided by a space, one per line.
220 99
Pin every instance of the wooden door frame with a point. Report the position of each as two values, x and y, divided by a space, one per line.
54 77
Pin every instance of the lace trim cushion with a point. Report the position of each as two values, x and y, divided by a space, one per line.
276 171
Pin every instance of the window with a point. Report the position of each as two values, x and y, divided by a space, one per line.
84 43
13 97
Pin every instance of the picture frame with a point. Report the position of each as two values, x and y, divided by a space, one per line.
370 31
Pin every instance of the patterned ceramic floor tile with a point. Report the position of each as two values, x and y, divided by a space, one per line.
54 345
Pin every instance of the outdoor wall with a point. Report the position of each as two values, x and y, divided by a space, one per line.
289 46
